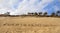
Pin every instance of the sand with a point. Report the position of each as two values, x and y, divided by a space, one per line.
20 25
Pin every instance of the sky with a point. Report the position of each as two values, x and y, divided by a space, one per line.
19 7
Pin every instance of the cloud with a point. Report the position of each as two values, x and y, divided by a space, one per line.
53 6
18 7
9 5
32 6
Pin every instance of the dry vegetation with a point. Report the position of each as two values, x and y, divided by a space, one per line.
30 20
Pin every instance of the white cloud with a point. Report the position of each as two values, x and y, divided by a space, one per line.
30 6
23 7
7 5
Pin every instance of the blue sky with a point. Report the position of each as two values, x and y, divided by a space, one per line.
51 7
18 7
